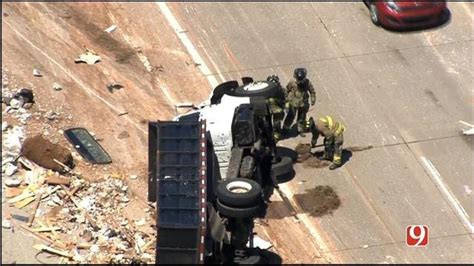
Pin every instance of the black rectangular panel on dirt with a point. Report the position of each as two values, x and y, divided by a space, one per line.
176 169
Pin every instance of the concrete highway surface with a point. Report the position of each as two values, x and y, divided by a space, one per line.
401 92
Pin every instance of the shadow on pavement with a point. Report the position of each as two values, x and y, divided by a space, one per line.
269 257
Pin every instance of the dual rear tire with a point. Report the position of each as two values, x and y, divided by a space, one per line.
239 198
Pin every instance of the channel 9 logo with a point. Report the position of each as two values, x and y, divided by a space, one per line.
417 235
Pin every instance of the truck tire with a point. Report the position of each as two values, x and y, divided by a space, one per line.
258 88
284 166
232 212
239 192
222 89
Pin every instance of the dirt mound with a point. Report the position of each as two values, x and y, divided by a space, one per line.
303 148
42 152
319 201
313 162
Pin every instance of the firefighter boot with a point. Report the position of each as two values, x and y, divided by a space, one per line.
277 136
336 162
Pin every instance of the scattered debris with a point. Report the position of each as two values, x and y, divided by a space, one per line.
54 180
11 192
12 182
37 73
111 29
123 113
20 218
467 132
258 242
18 99
6 224
57 86
5 126
467 189
114 86
52 250
9 169
43 152
123 135
89 57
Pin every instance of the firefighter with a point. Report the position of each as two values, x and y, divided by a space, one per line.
298 93
277 105
332 131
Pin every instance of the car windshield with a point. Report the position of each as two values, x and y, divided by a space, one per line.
87 146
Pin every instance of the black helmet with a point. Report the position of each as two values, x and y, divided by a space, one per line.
273 78
300 74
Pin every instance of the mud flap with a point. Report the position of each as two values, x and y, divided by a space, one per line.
215 224
234 163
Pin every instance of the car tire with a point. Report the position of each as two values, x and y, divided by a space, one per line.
374 14
258 88
233 212
249 194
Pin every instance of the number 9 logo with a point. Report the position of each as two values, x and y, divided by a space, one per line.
417 235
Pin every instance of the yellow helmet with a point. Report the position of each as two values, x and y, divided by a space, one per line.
327 121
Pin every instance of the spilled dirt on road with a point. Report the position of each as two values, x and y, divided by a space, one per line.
319 201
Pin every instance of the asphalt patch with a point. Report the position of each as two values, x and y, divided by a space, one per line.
43 152
319 201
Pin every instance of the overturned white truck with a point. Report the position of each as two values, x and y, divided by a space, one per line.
212 172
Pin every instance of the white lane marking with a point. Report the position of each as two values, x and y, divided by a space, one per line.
453 201
187 43
303 217
88 90
214 65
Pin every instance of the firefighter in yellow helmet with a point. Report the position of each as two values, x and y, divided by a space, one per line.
333 133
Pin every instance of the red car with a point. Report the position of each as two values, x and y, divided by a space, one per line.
405 14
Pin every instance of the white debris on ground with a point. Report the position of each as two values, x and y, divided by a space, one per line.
468 132
37 73
87 218
258 242
89 57
78 220
111 29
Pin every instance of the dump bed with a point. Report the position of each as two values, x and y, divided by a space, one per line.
177 182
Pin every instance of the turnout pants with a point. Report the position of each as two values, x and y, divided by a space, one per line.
300 113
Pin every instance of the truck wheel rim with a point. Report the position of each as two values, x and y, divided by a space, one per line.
255 86
239 187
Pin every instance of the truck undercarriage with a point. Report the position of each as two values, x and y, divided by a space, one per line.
212 174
